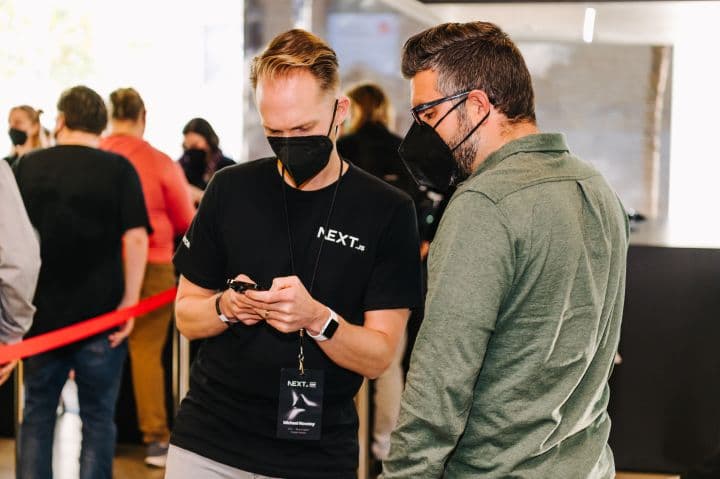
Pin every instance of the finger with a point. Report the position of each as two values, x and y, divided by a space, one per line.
283 326
236 312
114 341
249 322
259 299
284 282
272 297
262 313
6 369
117 337
278 316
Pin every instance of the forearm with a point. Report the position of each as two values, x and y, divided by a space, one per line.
364 350
18 278
19 261
196 317
135 245
437 399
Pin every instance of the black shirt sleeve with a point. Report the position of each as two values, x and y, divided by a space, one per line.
133 213
395 281
200 256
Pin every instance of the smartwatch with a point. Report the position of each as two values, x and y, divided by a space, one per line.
328 329
219 312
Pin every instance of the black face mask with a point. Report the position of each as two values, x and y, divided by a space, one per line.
428 158
18 137
304 156
196 156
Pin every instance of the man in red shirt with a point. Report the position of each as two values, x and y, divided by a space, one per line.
170 208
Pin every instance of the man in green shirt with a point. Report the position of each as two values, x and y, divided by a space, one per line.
509 374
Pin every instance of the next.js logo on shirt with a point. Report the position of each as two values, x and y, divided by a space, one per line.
338 237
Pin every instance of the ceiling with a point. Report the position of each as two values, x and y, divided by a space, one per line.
639 22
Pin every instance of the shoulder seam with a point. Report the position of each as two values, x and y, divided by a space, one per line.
500 198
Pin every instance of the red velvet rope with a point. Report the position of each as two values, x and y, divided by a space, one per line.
85 329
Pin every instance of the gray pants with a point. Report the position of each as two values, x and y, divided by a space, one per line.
183 464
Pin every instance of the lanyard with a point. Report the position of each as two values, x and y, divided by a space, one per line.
301 354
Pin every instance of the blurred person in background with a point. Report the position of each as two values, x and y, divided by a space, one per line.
167 196
369 144
202 155
89 210
368 141
26 132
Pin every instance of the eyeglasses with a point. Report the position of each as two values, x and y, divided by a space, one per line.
417 111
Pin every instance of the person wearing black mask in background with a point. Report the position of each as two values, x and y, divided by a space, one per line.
202 156
271 390
26 133
368 142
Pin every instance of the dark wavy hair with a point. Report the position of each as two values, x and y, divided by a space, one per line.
83 109
474 56
203 128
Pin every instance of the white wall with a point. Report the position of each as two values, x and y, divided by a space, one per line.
185 58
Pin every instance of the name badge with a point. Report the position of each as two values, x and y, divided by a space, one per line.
300 404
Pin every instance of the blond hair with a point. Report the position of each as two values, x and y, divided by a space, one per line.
37 140
297 49
126 104
370 105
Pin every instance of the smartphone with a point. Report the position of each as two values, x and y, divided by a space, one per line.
242 286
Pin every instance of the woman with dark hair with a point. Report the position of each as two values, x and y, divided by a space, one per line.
202 155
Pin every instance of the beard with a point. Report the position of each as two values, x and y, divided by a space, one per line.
465 152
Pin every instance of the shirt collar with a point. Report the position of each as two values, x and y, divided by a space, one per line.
529 143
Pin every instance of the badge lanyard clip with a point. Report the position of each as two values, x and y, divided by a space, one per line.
301 354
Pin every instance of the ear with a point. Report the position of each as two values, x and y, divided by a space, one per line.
343 109
59 122
478 104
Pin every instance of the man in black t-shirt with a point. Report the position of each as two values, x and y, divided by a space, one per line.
271 390
87 206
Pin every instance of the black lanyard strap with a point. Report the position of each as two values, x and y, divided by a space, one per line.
301 354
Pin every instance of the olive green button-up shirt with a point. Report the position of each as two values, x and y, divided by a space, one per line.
509 375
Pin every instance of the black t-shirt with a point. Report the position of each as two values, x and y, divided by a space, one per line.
369 261
195 170
81 200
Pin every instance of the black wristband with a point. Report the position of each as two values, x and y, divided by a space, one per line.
217 304
219 312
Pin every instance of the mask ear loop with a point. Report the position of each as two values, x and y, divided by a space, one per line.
333 120
471 131
449 111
